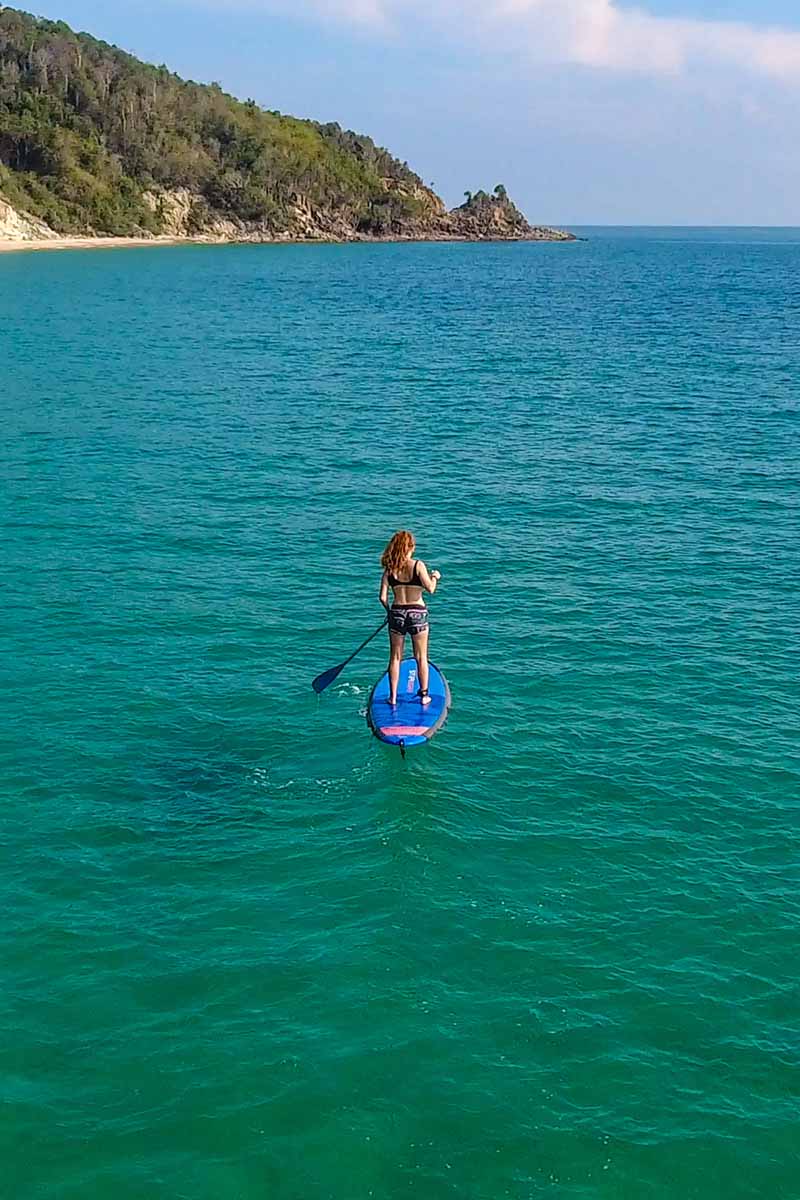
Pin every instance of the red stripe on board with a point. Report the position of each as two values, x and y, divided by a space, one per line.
404 730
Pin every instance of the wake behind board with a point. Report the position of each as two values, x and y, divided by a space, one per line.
409 722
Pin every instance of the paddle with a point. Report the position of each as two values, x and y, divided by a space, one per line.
327 677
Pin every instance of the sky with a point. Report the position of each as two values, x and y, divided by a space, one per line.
679 112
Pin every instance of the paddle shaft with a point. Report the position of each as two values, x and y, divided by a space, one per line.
367 641
327 677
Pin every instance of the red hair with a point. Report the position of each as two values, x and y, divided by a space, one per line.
397 551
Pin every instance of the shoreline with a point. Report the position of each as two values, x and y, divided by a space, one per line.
10 245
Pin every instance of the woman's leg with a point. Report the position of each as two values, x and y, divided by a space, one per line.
420 643
396 643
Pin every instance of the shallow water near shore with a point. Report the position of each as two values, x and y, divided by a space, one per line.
246 950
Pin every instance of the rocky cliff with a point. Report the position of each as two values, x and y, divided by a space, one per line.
22 227
182 213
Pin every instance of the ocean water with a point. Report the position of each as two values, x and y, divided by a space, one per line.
246 951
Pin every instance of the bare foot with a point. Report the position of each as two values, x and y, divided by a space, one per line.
425 700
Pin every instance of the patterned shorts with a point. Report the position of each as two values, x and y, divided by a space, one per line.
408 618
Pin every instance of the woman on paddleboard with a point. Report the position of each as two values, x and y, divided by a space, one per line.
408 578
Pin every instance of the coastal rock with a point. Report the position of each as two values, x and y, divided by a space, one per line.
173 209
422 216
495 217
406 212
17 226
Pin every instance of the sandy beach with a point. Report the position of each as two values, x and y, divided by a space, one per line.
7 245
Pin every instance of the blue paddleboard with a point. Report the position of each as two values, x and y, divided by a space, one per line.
409 722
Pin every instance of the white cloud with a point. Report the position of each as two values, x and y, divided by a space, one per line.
595 33
600 33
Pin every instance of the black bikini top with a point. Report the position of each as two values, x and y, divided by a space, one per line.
414 581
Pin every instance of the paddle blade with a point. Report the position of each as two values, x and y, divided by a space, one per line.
327 677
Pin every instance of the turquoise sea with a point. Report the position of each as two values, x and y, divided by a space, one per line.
247 952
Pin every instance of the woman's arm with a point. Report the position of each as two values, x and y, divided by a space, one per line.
428 578
384 593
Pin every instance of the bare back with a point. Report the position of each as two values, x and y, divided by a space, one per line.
408 586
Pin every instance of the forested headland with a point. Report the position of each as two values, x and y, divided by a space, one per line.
94 141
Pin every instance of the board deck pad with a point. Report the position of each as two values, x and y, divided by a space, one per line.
409 722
